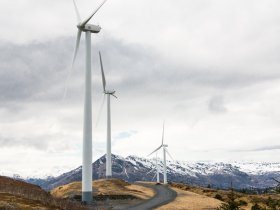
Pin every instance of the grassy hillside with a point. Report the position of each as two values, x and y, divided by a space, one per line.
16 194
246 201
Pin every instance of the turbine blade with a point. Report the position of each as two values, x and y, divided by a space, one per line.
102 73
100 110
126 172
155 150
154 176
66 86
77 46
114 96
77 12
276 180
151 170
162 134
124 163
169 154
69 73
88 19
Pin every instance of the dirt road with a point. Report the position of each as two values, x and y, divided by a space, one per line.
163 195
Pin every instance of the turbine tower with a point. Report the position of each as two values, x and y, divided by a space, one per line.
88 29
164 149
157 168
108 93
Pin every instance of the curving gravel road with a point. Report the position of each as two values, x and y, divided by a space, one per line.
163 195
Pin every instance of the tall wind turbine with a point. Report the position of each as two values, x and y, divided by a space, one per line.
88 29
109 93
164 149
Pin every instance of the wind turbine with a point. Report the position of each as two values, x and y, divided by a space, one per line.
164 149
109 93
83 26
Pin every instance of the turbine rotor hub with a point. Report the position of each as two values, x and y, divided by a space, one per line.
89 27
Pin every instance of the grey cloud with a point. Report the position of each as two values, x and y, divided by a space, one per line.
39 144
37 71
43 143
216 104
257 149
266 148
31 69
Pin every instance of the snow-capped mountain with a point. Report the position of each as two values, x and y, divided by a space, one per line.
257 168
217 174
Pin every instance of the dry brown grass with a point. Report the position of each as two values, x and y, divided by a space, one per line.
250 200
9 201
104 187
191 201
16 194
141 192
66 191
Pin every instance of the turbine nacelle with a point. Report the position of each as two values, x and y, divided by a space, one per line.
83 26
165 145
89 27
111 92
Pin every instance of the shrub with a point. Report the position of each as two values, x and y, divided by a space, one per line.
242 203
257 207
231 203
273 204
219 197
277 189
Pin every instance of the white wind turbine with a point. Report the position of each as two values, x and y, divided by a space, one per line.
108 93
164 149
83 26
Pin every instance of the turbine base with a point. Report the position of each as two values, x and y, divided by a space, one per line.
87 197
108 177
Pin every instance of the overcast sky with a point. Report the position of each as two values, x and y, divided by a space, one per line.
209 68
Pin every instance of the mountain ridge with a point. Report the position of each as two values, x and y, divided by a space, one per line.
216 174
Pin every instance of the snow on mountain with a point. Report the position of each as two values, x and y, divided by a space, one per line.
257 168
218 174
207 167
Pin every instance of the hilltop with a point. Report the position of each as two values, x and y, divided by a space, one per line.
107 193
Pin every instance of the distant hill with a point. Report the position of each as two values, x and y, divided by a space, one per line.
218 175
